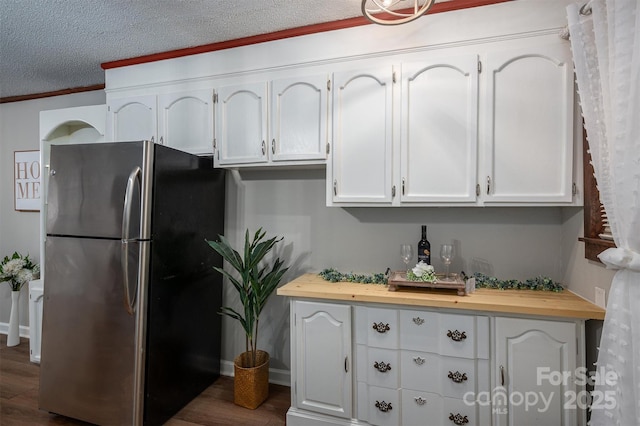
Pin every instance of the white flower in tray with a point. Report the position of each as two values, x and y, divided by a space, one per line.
422 272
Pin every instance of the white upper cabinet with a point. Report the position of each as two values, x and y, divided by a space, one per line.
283 121
439 130
185 121
132 118
362 136
299 118
484 124
181 119
529 127
241 124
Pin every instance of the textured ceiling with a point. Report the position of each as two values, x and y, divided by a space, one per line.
50 45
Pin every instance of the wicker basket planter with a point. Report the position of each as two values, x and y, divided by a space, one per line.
251 384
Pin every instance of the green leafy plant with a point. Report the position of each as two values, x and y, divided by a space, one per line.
18 270
254 284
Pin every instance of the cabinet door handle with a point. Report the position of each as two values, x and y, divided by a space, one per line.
273 146
161 140
456 335
264 148
381 327
501 375
382 366
335 187
402 186
488 184
457 377
384 406
458 419
346 364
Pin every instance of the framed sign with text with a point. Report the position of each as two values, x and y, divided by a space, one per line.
26 176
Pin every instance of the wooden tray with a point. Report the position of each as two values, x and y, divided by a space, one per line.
399 279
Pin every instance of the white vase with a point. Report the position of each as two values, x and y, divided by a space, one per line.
13 337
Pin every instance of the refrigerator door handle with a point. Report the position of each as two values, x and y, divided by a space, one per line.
126 225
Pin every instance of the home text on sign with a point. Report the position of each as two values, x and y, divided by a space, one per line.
27 180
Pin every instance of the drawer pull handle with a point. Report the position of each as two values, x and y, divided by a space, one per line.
418 360
382 366
458 419
384 406
457 377
381 327
456 335
418 321
420 400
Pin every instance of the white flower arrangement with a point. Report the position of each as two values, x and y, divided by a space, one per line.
422 272
18 270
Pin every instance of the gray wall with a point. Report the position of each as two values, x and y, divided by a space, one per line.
505 242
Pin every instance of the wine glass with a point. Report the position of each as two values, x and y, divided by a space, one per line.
446 254
406 253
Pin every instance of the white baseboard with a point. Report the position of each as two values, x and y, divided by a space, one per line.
276 375
4 329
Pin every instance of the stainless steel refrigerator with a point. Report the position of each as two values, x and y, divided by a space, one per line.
131 331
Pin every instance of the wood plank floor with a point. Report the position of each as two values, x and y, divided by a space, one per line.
19 380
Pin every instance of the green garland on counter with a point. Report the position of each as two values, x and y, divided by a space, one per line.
334 276
537 283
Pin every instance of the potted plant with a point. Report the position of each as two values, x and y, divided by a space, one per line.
254 283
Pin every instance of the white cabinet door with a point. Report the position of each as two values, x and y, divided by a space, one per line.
132 119
531 356
299 118
185 121
323 378
529 125
362 136
241 124
439 130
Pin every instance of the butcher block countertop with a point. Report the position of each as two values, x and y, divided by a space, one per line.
530 302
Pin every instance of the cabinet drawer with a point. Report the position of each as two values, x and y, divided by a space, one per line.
377 327
458 412
383 406
444 334
422 408
452 377
383 368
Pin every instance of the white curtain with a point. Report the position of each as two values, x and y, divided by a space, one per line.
605 39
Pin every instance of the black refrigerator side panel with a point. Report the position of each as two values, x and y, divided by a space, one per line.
185 293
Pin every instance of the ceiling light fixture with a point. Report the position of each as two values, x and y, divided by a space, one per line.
390 12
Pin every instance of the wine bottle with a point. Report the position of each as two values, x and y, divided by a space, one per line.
424 247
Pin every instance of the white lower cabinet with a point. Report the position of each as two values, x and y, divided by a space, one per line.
418 367
322 354
536 368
